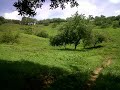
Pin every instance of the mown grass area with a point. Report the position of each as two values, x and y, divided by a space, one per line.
33 64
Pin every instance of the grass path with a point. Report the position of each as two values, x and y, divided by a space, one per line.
95 74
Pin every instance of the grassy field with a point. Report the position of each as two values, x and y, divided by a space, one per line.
32 64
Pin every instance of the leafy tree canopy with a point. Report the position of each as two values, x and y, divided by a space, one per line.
72 32
28 7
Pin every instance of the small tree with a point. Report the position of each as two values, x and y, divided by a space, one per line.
57 40
74 30
93 39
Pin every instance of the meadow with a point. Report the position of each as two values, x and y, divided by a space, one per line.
32 64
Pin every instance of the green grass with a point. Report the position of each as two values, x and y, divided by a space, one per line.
27 63
110 77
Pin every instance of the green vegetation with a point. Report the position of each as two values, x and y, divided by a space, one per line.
94 38
109 79
75 30
32 63
42 34
8 36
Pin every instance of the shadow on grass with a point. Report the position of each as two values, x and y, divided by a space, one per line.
69 49
96 47
25 75
107 82
82 50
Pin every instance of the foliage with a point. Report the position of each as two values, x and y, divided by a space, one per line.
12 21
9 36
74 30
28 21
102 21
27 30
57 40
93 39
28 7
53 21
42 34
54 25
46 23
116 24
2 20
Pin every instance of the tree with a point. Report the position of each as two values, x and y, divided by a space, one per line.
73 31
102 21
27 20
28 7
93 39
2 20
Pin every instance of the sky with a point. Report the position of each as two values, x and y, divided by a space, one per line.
87 7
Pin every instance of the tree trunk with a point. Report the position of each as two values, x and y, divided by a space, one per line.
76 43
75 46
64 45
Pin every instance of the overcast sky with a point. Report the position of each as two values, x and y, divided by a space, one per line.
87 7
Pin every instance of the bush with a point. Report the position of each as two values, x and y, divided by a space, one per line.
56 40
98 38
42 34
94 39
28 30
116 24
104 25
9 37
54 25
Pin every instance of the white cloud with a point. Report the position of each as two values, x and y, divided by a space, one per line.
85 7
12 15
115 1
117 12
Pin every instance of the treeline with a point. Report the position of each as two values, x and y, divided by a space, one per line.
48 21
31 21
100 21
104 22
3 20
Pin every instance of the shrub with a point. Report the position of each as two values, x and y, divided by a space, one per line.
54 25
104 25
94 39
88 41
116 24
56 40
9 37
46 23
28 30
42 34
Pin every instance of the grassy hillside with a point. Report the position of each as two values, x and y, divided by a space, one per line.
110 77
33 64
